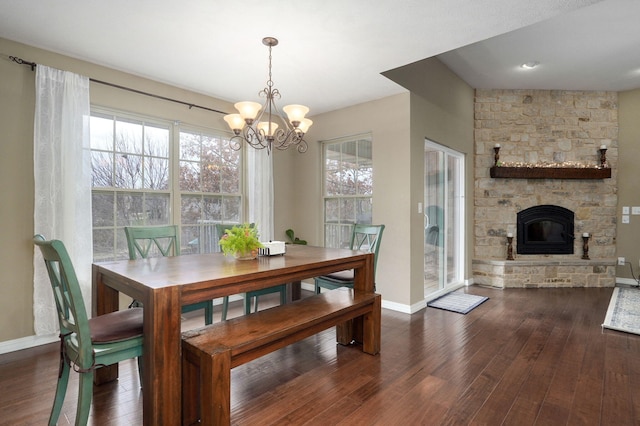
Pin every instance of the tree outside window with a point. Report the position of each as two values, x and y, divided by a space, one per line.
210 189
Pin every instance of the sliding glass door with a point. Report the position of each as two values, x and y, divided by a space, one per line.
443 218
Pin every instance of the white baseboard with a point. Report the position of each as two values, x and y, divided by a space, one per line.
422 304
26 343
626 281
399 307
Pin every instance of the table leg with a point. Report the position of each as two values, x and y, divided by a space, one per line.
294 291
363 277
162 371
363 281
372 328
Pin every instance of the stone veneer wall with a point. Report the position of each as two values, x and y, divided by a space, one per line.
538 126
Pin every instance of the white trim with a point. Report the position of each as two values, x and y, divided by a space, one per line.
422 304
442 292
627 281
27 342
399 307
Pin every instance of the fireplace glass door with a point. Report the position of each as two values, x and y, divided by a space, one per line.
443 218
545 229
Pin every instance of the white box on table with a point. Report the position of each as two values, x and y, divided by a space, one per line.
272 248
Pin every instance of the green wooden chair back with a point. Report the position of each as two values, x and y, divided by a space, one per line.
364 238
75 333
367 237
72 315
152 241
144 241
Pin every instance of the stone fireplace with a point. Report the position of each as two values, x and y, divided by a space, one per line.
536 128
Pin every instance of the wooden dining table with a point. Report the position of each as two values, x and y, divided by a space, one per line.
164 284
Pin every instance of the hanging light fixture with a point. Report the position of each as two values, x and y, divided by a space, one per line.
255 125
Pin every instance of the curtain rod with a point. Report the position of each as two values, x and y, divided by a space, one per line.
117 86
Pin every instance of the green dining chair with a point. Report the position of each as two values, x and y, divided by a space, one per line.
86 344
221 228
145 241
363 237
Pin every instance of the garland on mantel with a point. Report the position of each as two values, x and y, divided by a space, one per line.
563 165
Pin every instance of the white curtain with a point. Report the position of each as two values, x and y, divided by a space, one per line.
260 191
62 172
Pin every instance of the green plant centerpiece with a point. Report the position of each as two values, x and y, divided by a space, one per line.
241 241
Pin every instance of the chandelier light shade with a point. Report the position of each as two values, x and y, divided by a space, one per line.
258 126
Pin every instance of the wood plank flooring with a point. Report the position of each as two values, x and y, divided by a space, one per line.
524 357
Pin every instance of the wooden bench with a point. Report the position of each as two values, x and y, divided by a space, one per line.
209 353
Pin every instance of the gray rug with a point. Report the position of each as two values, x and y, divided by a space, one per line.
624 310
458 301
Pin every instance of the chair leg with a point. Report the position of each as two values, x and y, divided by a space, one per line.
61 390
140 371
208 313
225 307
283 295
283 300
247 304
85 393
317 287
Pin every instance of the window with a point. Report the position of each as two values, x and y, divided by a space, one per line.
348 187
209 188
135 182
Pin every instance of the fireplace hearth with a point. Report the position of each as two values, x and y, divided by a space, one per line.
545 229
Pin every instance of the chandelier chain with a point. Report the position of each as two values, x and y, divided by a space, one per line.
270 81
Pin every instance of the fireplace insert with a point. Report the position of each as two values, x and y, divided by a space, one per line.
545 229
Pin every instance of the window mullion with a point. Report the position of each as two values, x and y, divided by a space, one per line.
174 177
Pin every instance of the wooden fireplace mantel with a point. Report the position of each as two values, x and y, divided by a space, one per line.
550 172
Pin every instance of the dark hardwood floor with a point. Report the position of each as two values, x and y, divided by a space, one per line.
524 357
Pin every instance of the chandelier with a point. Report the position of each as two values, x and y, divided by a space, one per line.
255 125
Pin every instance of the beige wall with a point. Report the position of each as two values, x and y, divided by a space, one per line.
16 209
387 120
17 98
628 180
441 111
440 108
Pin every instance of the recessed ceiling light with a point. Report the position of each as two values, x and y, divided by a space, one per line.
530 65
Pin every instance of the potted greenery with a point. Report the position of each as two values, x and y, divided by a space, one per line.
293 238
241 241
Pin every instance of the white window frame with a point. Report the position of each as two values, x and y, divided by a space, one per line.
343 227
173 191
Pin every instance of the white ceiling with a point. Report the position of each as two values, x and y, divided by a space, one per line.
593 48
332 52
